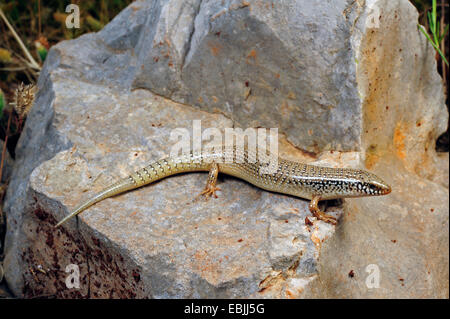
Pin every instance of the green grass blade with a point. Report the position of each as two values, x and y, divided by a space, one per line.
422 28
430 21
434 15
433 44
442 55
436 34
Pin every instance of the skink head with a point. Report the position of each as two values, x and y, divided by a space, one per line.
368 184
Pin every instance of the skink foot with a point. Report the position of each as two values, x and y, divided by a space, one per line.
210 191
314 209
211 188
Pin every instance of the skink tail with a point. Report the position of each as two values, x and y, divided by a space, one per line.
119 187
153 172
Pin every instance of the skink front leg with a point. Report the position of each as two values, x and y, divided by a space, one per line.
314 209
211 188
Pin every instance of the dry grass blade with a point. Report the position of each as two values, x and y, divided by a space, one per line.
32 62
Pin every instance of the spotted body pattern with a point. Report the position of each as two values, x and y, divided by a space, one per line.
302 180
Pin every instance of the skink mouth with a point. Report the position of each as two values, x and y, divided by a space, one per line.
387 190
383 189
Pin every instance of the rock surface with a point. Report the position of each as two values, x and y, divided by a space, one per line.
160 241
367 88
258 62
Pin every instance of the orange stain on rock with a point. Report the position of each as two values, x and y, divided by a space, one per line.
315 239
291 95
289 294
372 156
251 55
205 265
215 48
399 140
371 160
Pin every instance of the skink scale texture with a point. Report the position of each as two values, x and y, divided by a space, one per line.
302 180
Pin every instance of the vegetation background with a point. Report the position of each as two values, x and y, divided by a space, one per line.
40 24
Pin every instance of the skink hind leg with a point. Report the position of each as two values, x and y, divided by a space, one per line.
211 188
314 209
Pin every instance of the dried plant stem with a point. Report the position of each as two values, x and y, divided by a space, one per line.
39 18
19 68
5 143
32 62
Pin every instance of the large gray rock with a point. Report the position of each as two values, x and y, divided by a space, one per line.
159 241
285 64
327 79
402 239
